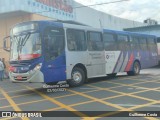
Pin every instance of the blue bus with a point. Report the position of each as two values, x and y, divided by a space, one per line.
53 51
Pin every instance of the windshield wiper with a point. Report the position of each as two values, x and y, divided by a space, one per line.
21 42
24 40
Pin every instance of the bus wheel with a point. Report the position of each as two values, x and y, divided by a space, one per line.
136 69
52 83
112 75
78 77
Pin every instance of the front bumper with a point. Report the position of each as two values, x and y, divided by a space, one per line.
33 77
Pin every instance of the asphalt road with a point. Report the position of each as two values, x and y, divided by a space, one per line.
107 96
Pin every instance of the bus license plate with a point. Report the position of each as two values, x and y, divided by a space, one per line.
19 77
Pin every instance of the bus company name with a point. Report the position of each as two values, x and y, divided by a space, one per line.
59 4
96 55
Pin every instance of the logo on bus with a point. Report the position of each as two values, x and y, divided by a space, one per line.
110 56
154 54
107 56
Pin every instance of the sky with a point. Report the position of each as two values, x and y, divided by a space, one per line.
137 10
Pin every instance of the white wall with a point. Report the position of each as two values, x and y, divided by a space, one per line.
93 17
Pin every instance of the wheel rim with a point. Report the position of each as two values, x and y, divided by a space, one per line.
136 68
77 77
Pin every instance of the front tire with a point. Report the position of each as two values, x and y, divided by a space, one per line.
78 77
136 69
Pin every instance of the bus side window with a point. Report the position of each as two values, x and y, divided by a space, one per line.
95 41
143 44
109 42
152 44
54 42
135 43
76 40
123 42
158 39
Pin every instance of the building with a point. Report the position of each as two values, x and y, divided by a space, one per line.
15 11
151 21
152 30
100 19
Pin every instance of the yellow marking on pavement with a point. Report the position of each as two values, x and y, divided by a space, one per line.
129 83
11 118
147 104
32 102
95 99
7 106
54 97
137 79
57 102
12 103
126 94
149 89
19 96
52 109
129 78
19 90
134 85
131 109
60 96
25 103
76 104
129 94
107 89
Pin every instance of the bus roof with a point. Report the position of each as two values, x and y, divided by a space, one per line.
128 33
60 23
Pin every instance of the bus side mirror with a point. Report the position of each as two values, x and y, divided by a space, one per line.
7 44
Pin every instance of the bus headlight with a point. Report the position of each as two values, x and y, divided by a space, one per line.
38 67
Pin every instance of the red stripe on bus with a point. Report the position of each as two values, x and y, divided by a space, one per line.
130 62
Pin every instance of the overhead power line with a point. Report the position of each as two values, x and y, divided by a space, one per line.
100 4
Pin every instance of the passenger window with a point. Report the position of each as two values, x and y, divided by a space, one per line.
109 42
135 43
143 44
54 42
123 42
95 41
76 40
152 44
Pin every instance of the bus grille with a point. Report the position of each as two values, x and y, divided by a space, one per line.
22 78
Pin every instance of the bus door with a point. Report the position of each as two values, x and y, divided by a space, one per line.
153 54
96 57
111 53
55 62
158 47
144 52
135 47
125 53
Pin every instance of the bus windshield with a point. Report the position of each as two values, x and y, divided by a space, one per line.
25 47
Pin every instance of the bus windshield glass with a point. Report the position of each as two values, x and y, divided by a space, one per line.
25 47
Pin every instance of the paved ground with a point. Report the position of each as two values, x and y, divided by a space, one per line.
122 93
